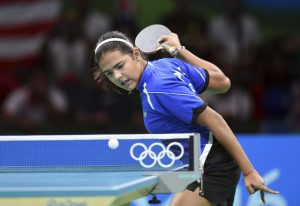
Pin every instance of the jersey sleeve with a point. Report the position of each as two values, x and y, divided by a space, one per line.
181 102
199 77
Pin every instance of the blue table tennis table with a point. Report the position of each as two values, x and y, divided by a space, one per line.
82 171
76 188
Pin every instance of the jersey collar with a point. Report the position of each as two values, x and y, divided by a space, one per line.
145 76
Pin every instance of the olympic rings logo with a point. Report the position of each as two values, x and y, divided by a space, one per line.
157 158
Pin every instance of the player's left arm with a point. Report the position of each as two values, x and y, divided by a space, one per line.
215 122
218 81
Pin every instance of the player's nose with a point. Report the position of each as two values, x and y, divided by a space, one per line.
117 74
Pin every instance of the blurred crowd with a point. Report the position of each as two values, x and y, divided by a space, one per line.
57 94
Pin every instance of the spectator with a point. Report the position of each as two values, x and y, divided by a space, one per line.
29 108
234 34
68 52
272 94
7 83
125 18
234 39
236 106
293 119
190 26
93 21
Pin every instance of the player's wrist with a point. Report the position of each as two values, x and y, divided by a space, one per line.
177 52
249 172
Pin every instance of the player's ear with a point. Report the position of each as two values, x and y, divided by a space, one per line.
137 54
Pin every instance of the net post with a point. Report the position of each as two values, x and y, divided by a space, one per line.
194 152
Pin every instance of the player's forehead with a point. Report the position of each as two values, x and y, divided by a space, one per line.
111 58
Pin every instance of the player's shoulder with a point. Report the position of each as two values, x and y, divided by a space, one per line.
163 77
168 62
166 66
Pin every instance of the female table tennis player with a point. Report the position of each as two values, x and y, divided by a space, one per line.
169 89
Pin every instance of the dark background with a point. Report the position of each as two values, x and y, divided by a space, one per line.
257 47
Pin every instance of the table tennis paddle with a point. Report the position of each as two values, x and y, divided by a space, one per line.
148 39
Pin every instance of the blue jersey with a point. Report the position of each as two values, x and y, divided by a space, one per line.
169 89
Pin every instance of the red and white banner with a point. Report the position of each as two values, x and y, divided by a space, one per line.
24 25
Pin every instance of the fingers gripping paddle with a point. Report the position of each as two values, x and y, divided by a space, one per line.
147 39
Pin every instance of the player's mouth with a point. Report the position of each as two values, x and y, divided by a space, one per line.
125 83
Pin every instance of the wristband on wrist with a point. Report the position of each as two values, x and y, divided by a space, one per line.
177 50
248 173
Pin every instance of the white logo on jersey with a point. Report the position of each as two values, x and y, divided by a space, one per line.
191 87
148 96
179 73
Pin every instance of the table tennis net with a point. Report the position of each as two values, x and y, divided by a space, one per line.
84 153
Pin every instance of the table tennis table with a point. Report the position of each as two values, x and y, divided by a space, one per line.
80 188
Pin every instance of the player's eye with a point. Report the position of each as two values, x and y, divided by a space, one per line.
108 74
120 66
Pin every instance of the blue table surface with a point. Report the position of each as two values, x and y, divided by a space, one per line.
75 183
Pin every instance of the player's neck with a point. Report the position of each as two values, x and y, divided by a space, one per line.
143 65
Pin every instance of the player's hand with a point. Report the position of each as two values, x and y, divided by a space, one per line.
254 182
171 40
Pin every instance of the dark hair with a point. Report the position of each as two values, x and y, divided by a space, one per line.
113 45
124 48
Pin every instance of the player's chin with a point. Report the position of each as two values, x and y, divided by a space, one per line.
130 87
127 88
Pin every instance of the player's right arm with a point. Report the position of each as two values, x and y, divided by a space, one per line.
218 81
